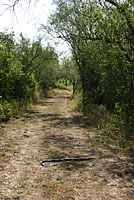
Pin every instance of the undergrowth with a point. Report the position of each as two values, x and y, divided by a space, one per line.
14 108
76 102
63 86
111 128
11 109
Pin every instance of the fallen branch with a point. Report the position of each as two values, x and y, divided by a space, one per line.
65 159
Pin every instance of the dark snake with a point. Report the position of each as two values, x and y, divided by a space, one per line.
65 159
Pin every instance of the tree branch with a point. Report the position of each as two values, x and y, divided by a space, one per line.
11 6
123 11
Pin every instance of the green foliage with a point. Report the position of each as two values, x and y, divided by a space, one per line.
76 102
101 68
68 74
46 68
2 154
25 67
101 36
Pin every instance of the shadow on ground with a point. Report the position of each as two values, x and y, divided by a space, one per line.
105 160
69 146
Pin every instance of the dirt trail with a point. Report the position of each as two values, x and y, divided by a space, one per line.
51 130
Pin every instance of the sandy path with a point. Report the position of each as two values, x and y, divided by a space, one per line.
52 130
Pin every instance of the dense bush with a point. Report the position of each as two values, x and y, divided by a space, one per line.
25 67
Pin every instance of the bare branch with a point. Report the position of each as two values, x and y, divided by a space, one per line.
10 6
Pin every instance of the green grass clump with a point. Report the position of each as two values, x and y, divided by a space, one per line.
76 102
2 154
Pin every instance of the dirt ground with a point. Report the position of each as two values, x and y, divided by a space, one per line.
51 130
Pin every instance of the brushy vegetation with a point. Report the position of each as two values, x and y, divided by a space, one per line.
27 70
100 69
108 125
101 36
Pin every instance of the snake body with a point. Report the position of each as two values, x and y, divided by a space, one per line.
65 159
